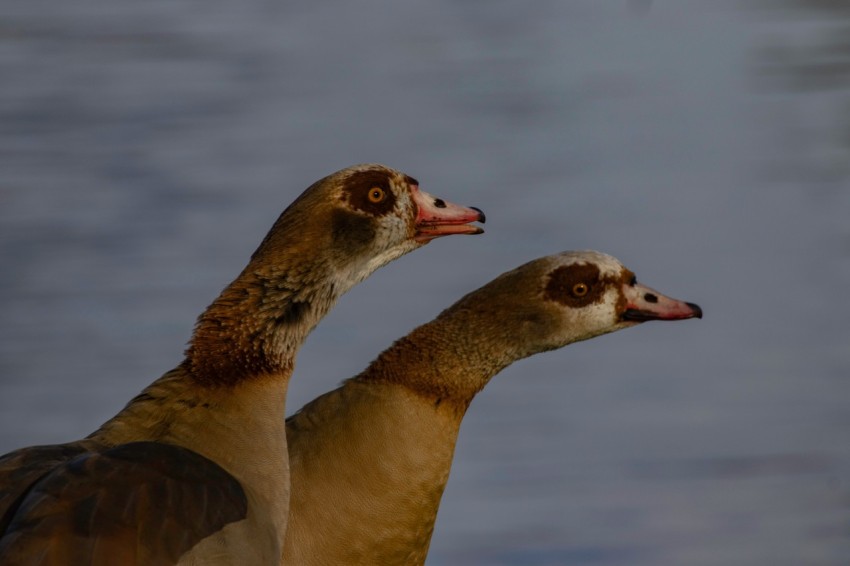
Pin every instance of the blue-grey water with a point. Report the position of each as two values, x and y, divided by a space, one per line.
146 147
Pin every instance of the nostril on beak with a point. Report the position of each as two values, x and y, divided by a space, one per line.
650 298
439 203
481 218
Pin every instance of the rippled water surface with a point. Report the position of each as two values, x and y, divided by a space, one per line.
146 148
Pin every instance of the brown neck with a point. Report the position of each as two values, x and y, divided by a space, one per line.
451 358
374 455
255 327
245 341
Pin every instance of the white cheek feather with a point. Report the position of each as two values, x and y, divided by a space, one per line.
593 317
391 242
581 323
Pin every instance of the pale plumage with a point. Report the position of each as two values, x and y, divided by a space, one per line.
369 460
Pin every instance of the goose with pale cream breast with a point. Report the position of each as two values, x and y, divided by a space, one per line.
194 469
369 460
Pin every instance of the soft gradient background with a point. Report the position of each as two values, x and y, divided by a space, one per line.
146 147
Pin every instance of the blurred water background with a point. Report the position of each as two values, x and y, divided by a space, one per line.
146 148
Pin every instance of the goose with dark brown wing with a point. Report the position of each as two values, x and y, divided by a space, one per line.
194 469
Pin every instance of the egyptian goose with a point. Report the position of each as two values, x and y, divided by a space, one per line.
194 469
369 460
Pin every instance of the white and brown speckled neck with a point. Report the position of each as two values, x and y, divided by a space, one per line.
255 327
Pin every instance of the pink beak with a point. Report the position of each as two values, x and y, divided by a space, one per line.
436 217
643 303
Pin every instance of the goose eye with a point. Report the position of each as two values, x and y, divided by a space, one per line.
376 194
580 289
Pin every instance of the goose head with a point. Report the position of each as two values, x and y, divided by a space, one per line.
334 235
564 298
359 219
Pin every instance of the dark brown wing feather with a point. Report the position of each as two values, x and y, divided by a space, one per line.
137 503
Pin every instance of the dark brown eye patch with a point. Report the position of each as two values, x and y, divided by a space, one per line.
575 285
370 192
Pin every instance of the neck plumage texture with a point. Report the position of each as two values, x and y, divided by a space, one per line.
227 399
370 460
245 341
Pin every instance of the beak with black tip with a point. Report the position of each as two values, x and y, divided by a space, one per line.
643 303
436 217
